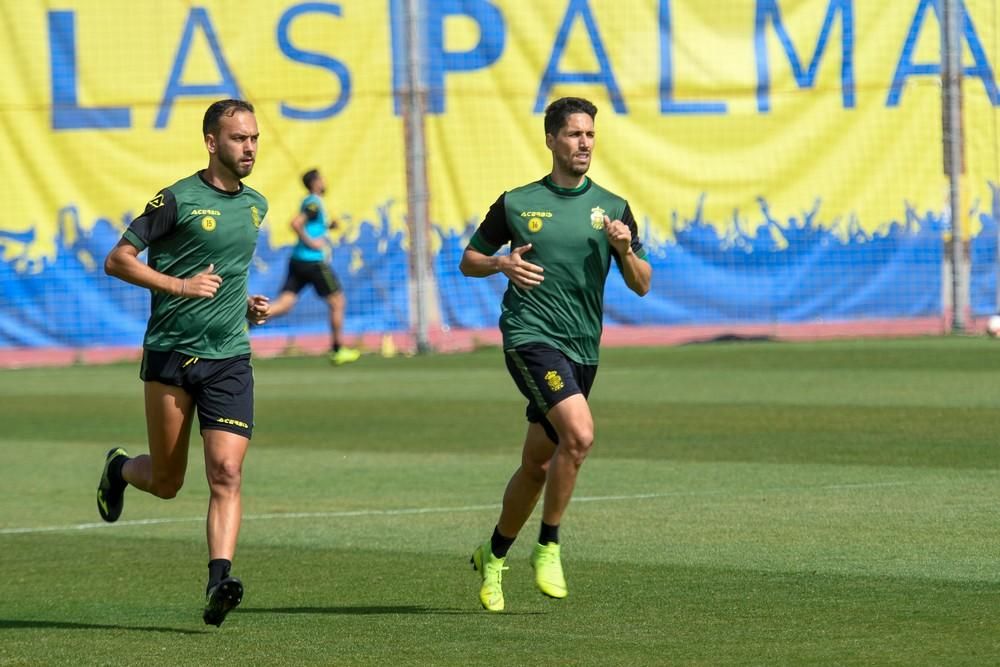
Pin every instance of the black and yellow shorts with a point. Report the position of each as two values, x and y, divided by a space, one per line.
317 274
546 376
222 388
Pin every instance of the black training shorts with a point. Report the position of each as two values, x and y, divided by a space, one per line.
317 274
222 388
546 376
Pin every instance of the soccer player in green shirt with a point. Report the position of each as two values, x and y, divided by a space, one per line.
563 230
201 234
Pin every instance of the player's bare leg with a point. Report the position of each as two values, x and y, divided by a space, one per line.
336 304
526 484
519 499
169 412
284 303
224 454
575 427
339 353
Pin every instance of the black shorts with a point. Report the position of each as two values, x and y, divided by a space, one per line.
317 274
546 376
222 388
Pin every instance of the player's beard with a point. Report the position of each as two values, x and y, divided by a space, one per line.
236 166
571 166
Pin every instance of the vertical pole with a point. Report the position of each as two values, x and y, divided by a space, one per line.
415 94
996 221
954 159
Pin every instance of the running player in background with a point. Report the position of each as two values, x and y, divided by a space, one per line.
201 234
563 230
309 266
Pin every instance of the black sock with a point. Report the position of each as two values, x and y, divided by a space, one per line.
499 544
336 347
548 534
115 471
218 569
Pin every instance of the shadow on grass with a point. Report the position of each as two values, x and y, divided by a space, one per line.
66 625
368 610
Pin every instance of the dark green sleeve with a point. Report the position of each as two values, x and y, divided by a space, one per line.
493 232
158 220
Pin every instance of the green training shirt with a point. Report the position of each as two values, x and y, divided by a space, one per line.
186 227
566 231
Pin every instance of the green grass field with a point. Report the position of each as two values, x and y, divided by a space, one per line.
830 503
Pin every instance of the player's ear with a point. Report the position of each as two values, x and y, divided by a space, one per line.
550 141
210 142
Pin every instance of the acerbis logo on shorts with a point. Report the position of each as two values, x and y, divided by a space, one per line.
232 422
555 382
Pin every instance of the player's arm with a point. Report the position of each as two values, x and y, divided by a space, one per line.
299 225
623 235
308 213
480 259
159 219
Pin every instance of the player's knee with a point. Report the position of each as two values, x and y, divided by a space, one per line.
578 442
225 476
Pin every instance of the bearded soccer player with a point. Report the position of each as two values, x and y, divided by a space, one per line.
200 233
564 231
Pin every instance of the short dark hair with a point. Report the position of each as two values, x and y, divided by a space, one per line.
210 124
309 177
557 112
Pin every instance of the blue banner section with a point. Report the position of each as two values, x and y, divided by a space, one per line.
782 273
791 274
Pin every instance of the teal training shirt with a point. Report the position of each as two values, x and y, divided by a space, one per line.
315 228
566 231
186 227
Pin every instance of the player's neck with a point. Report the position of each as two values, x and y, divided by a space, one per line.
566 181
221 178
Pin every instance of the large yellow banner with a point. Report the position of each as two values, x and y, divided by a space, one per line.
738 130
734 113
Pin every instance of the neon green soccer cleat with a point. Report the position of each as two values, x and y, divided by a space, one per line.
344 355
111 492
548 569
491 568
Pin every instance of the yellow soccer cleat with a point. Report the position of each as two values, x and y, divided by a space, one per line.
491 569
344 355
546 563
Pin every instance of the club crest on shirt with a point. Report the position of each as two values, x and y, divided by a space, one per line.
597 217
535 225
255 216
208 223
555 382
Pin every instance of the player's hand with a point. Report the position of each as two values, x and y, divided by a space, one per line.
258 308
619 236
520 271
202 285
